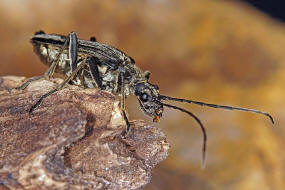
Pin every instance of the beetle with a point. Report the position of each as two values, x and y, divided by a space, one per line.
91 64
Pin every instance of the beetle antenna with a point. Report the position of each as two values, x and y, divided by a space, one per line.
201 126
217 106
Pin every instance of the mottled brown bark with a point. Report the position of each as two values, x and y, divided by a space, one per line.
72 141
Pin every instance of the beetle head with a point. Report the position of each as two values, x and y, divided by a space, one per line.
148 97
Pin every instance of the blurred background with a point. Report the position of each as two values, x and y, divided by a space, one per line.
225 52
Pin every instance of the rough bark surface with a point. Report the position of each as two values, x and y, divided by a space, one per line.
72 141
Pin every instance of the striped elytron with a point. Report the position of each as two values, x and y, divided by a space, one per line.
95 65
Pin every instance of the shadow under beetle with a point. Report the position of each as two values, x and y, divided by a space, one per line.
95 65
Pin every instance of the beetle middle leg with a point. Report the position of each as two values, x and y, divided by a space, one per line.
92 64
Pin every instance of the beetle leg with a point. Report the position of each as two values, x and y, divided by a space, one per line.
55 62
123 105
72 40
93 39
73 44
73 50
25 84
94 71
60 86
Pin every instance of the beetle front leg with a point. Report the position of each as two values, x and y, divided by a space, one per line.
123 106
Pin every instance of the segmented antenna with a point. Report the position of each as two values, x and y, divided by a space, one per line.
217 106
201 126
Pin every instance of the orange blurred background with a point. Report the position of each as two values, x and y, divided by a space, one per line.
223 52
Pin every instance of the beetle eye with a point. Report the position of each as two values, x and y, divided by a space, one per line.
144 97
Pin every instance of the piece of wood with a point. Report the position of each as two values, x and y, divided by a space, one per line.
72 140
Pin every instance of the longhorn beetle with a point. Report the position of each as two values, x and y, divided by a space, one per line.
95 65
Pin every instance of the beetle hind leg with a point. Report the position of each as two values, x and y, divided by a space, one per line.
73 45
29 81
60 86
